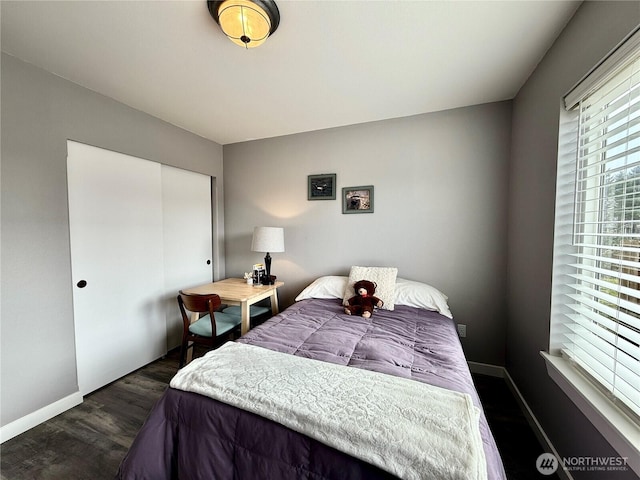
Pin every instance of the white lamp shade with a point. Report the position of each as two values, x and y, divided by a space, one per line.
268 239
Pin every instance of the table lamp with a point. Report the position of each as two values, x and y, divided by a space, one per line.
268 239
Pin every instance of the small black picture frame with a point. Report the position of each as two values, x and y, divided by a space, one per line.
357 199
322 187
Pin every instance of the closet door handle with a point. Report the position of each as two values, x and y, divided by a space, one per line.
208 262
82 284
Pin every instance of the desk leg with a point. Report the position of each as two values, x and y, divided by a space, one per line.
274 302
244 315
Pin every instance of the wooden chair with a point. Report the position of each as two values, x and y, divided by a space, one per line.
207 329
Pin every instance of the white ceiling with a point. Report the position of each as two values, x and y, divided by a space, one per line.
330 63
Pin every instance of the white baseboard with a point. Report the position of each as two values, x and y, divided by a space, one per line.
486 369
535 425
34 419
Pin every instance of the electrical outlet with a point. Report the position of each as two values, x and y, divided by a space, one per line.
462 330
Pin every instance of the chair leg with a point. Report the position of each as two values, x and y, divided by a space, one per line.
183 353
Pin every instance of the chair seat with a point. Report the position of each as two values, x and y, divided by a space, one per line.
224 323
254 311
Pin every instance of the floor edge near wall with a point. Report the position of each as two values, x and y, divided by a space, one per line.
33 419
487 369
498 371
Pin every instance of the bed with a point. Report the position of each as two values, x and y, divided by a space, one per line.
195 434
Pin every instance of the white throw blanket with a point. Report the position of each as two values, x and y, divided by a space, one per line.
408 428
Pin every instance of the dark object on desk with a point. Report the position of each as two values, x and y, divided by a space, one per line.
258 276
269 280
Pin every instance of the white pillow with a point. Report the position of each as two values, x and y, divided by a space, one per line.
385 279
324 287
421 295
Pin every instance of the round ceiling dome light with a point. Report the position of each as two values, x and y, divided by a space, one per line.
247 23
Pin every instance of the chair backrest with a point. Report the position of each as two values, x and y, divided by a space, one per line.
198 304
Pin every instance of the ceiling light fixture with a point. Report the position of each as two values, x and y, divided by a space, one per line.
247 23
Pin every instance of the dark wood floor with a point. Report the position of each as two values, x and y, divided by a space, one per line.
517 443
89 441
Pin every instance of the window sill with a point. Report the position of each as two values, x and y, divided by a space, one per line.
617 428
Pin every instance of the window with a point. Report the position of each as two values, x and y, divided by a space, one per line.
596 293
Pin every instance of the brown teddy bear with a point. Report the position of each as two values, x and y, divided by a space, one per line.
364 301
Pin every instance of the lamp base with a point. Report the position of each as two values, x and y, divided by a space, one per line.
267 264
269 280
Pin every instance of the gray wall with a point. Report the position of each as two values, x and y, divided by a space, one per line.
596 28
439 216
39 113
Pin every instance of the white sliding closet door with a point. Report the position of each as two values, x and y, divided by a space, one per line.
116 228
186 199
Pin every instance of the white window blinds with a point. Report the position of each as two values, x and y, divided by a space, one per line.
600 315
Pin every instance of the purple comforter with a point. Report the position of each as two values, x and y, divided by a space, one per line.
195 437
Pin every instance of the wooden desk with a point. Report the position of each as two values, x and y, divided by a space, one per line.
235 291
